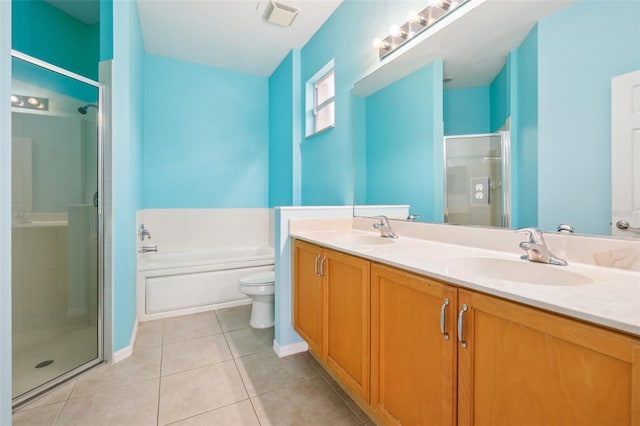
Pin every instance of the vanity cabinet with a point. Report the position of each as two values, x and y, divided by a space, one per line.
308 295
520 365
332 310
413 348
443 355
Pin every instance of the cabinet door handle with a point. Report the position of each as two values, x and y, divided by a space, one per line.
465 308
443 311
315 267
322 267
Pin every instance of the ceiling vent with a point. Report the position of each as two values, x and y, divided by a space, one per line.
280 14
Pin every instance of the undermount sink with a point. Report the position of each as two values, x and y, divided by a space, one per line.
367 240
521 271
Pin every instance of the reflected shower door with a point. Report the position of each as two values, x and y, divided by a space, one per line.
475 183
55 239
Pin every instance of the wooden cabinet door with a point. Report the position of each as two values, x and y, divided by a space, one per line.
523 366
347 319
308 295
412 362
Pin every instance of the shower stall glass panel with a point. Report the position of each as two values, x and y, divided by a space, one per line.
55 228
476 180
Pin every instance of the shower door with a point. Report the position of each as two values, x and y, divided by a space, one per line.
476 179
55 252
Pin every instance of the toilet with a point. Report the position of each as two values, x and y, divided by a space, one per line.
260 287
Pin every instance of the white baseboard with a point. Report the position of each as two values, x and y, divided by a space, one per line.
291 349
127 351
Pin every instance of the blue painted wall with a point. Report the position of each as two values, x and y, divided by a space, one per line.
524 84
280 134
499 92
327 159
284 133
45 32
404 149
5 214
467 111
106 30
575 71
206 136
128 136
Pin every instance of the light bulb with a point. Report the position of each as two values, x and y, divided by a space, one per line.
14 99
379 43
396 31
33 101
416 18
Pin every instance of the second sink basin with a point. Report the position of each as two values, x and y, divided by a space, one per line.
521 271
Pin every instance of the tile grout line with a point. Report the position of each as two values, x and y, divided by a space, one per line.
328 379
55 420
244 385
205 412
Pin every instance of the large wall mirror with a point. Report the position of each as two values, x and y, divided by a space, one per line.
502 103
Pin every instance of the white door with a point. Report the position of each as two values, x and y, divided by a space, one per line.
625 154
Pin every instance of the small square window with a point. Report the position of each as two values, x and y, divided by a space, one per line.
321 100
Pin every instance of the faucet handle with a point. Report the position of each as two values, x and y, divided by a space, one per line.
533 234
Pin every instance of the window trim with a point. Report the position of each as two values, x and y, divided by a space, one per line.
313 107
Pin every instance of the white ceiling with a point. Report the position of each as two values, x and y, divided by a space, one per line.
227 33
473 43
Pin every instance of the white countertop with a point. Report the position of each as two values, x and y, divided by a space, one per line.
611 299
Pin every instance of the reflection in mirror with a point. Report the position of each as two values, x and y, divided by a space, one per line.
552 93
476 169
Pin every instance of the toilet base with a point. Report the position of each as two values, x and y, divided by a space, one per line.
262 315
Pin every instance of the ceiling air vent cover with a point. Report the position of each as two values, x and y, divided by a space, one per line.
280 14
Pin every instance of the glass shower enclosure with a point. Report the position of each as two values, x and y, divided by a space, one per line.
56 238
477 179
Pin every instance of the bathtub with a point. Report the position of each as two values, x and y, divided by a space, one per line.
183 282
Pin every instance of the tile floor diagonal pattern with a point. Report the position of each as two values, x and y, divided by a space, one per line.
196 370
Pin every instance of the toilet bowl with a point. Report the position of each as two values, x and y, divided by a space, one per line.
260 287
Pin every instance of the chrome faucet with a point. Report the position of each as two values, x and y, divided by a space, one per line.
536 248
384 227
143 233
147 249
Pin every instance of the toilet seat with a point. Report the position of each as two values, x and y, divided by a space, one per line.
260 278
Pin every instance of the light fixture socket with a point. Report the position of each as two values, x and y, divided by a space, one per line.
30 102
416 23
280 14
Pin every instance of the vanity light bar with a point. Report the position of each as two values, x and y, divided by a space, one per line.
416 23
30 102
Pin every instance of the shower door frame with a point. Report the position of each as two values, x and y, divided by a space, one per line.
505 152
44 387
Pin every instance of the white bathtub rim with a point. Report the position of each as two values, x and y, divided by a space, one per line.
213 262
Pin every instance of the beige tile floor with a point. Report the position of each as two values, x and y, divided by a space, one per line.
203 369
